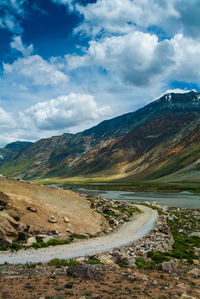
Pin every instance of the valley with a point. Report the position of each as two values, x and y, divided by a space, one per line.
132 222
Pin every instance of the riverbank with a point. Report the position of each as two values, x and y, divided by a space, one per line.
123 185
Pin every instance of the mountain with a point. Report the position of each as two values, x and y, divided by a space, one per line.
153 142
11 149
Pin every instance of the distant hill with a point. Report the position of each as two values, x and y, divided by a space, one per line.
153 142
11 149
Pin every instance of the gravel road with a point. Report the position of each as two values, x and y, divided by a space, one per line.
135 229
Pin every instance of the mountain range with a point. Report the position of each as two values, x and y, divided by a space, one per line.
11 149
158 141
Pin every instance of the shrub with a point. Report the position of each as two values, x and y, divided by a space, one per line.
145 264
93 262
157 256
62 263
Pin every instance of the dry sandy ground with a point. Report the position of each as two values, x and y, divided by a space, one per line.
33 283
48 201
138 227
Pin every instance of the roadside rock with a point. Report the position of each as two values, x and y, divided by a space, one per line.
106 259
21 227
8 228
47 238
69 231
169 267
31 241
86 272
7 243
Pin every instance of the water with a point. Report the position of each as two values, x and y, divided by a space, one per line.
181 200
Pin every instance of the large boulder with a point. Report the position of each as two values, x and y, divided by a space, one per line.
7 229
89 272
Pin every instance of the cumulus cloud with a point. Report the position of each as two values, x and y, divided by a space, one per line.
122 16
34 70
140 58
134 56
187 59
63 112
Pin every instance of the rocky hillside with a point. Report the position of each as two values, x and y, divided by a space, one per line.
153 142
11 149
28 210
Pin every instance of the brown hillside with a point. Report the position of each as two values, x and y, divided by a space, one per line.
47 201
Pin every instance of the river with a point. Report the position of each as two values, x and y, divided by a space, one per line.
182 200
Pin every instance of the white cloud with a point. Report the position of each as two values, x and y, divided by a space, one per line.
135 57
6 120
187 59
11 14
18 45
63 112
35 71
122 16
140 58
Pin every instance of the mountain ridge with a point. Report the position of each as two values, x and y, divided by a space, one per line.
137 144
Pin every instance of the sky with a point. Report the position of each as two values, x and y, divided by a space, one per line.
66 65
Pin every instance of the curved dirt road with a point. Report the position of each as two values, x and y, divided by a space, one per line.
127 233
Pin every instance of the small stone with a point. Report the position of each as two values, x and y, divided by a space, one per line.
66 220
180 292
69 231
47 238
129 277
141 276
194 234
195 262
52 219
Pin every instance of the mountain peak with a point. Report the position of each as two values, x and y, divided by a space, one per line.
180 101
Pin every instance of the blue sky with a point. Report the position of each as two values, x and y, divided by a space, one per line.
66 65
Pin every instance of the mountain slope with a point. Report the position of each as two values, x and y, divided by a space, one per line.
153 142
12 148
